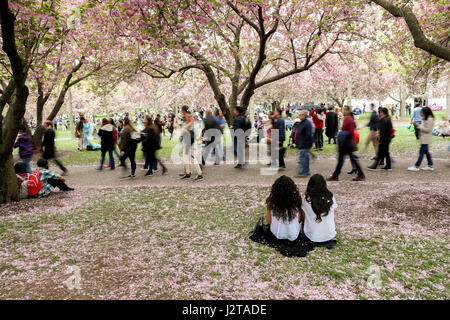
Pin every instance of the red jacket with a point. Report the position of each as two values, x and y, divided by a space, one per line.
350 126
318 124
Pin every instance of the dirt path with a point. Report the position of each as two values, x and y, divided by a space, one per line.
87 176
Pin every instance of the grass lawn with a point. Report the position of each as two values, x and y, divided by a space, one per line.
176 243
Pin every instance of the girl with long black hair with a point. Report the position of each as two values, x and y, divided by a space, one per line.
284 209
318 207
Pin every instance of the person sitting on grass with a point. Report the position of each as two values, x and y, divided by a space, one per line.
49 180
318 207
284 209
20 168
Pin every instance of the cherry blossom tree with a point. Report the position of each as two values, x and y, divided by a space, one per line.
427 22
238 45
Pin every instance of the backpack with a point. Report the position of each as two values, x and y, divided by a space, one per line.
34 183
23 190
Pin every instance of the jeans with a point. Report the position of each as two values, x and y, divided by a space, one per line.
111 159
129 153
27 164
318 137
383 153
116 152
424 151
207 148
303 162
148 160
355 164
57 183
150 157
239 146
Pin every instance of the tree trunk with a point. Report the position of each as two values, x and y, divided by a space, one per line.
14 117
402 101
8 182
448 99
72 124
37 136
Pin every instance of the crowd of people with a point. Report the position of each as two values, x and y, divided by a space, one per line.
121 140
290 216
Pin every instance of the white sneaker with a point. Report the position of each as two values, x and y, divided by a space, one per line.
143 169
413 168
428 168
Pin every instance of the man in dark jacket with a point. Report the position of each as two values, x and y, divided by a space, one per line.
384 136
151 143
107 138
280 126
239 129
212 130
25 145
304 140
374 125
48 146
331 124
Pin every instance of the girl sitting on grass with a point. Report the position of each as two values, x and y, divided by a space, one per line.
284 209
318 207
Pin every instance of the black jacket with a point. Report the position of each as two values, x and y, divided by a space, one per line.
48 144
374 123
150 140
106 135
331 124
211 122
385 130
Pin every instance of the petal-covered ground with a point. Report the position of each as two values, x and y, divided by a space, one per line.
162 238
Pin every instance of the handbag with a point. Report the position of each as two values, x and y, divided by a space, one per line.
259 231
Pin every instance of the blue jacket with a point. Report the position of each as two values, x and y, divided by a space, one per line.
303 136
279 124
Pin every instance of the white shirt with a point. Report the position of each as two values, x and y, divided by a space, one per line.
319 231
285 230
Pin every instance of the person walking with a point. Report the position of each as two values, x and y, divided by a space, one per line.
188 139
222 125
303 139
346 145
384 136
48 146
106 134
212 130
426 139
331 125
25 144
128 144
281 127
374 125
416 119
150 144
239 142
